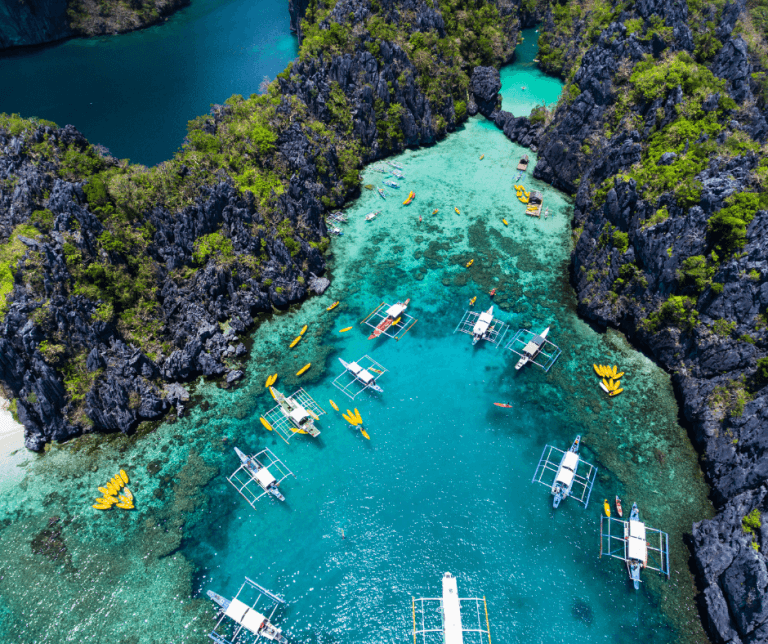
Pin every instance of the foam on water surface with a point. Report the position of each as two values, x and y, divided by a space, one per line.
444 484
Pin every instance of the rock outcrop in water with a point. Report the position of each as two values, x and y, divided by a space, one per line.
661 141
34 22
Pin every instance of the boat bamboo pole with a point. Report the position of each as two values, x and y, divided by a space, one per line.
601 537
487 622
406 330
413 606
372 312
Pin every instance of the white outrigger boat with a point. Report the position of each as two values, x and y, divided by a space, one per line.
635 544
481 325
531 350
371 216
246 616
569 464
257 476
260 474
362 374
573 476
450 627
302 417
359 376
480 330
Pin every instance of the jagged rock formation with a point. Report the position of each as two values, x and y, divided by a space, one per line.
670 233
34 22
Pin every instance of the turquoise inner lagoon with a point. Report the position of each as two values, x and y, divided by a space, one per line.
443 484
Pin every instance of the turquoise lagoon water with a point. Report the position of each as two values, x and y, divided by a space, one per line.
523 84
444 484
134 93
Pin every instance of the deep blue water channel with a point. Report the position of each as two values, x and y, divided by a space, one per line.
134 93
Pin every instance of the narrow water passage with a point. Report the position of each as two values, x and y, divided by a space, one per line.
134 93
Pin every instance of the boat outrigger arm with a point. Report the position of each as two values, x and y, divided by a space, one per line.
450 628
534 348
294 414
566 474
389 320
246 616
639 546
481 325
359 376
259 475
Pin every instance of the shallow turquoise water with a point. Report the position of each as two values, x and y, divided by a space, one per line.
523 84
134 93
444 484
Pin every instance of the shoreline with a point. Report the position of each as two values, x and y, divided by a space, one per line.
11 432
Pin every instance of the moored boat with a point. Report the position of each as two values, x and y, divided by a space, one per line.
260 474
566 472
607 508
473 300
619 511
480 329
393 315
296 413
391 184
532 349
381 192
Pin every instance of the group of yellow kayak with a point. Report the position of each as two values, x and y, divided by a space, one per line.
110 494
611 383
522 194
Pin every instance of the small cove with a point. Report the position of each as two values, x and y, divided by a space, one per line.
444 483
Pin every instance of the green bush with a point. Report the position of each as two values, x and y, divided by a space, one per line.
10 253
762 370
751 522
621 241
728 226
696 272
215 245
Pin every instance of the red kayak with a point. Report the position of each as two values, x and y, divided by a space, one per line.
618 506
502 405
493 292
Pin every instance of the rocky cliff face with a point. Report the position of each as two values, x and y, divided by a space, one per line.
34 22
661 140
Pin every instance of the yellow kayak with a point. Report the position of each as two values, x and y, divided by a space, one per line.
124 476
598 370
103 490
334 405
607 508
332 306
101 506
128 494
304 369
349 418
125 506
344 330
271 380
365 433
313 414
458 212
265 422
396 322
111 489
304 329
482 156
118 482
434 212
469 263
616 393
619 375
295 342
358 416
505 222
473 300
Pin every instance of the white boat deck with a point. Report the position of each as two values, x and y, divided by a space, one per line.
549 469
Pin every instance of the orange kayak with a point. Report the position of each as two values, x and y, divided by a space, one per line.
618 506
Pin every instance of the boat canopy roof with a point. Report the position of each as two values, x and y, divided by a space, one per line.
245 615
395 310
565 476
568 468
298 413
571 460
481 326
535 197
264 477
531 348
637 530
360 373
636 549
